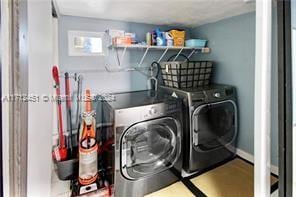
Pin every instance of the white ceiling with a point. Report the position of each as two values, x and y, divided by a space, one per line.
160 12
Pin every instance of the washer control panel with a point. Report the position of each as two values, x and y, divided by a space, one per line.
197 96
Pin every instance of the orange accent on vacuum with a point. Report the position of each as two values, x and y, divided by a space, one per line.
88 147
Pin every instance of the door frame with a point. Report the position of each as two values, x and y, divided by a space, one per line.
1 149
262 98
15 82
285 98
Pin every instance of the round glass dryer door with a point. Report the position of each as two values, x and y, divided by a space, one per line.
150 147
214 125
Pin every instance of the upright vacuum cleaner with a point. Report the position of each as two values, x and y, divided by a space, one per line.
88 150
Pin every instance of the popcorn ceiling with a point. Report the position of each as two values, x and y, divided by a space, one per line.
186 13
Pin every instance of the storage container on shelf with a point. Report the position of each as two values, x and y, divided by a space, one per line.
196 43
186 74
178 37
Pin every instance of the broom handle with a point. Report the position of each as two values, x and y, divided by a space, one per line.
55 74
68 104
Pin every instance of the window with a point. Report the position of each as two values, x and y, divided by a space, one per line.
86 43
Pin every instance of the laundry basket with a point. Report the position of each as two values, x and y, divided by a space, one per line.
186 74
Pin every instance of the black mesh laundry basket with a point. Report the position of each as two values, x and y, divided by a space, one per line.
186 74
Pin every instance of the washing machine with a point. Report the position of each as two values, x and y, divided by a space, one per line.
147 130
210 125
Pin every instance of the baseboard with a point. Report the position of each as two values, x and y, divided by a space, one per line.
249 157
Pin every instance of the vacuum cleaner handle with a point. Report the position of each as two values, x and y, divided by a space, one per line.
87 101
88 131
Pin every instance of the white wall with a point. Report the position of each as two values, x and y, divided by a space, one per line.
39 114
293 18
294 104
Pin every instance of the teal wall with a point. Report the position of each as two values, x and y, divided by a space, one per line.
232 42
105 82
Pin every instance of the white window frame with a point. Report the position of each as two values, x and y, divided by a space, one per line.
71 47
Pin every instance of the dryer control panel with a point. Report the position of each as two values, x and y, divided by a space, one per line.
218 94
129 116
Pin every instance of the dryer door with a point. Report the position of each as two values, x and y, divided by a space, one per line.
214 125
150 147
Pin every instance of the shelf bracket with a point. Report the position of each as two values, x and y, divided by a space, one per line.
163 54
192 52
178 54
122 55
119 69
141 62
117 57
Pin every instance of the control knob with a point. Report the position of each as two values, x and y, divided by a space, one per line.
217 95
152 111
